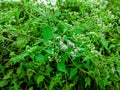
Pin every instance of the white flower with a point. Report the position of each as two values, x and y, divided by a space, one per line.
49 57
71 44
97 3
58 37
106 2
92 33
63 46
76 50
73 54
112 16
38 1
61 43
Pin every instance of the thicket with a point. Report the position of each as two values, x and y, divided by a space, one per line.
73 45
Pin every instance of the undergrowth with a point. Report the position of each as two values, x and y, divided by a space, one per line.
72 45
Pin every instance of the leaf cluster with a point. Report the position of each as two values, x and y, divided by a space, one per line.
73 45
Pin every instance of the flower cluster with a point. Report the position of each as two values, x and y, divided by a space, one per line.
63 45
56 57
93 50
58 37
73 53
71 43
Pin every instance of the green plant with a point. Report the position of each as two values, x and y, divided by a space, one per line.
72 45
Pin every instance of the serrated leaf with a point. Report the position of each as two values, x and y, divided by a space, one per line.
3 83
61 67
39 78
73 72
47 33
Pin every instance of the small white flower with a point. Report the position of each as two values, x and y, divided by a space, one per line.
106 2
58 37
50 60
49 57
64 47
112 16
92 33
76 50
97 3
73 54
71 44
61 43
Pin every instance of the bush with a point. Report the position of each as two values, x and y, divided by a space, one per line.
73 45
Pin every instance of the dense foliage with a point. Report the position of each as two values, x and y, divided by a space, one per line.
73 45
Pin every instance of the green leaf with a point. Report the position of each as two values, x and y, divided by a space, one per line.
2 69
40 78
47 33
16 86
97 80
87 81
31 88
118 69
78 30
112 46
61 67
3 83
17 58
8 75
21 42
19 71
52 84
69 49
102 84
64 57
105 43
48 70
29 73
73 72
49 50
39 57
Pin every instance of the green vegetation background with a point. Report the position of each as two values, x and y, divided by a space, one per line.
72 45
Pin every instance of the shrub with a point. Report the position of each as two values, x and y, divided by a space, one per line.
73 45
